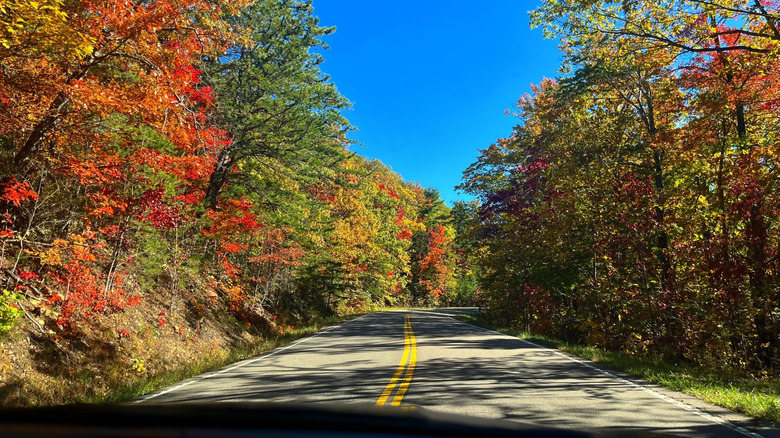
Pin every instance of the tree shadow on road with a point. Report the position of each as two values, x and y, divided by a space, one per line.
460 369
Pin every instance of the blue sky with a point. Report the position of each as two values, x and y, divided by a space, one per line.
430 79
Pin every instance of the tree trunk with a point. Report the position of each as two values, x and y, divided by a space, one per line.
757 235
56 108
741 125
218 177
663 239
30 147
723 213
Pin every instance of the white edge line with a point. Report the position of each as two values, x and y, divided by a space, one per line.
242 363
654 393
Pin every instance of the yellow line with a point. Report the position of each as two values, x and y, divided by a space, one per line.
394 380
409 371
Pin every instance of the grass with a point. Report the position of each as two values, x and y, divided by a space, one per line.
758 398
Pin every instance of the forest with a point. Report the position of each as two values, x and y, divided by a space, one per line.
635 205
177 179
176 176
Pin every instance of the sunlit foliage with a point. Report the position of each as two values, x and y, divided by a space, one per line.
192 154
635 205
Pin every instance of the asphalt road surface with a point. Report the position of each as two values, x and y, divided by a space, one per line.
428 359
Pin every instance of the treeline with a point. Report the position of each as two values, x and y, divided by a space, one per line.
190 156
636 204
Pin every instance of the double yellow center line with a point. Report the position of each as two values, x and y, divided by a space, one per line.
408 361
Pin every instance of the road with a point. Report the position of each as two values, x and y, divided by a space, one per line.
428 359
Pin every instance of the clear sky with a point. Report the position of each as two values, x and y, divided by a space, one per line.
430 79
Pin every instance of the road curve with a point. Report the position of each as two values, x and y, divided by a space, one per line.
428 359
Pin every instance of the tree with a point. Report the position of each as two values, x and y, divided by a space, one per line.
632 206
279 109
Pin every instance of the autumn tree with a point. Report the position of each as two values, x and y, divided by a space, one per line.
632 206
463 219
433 254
